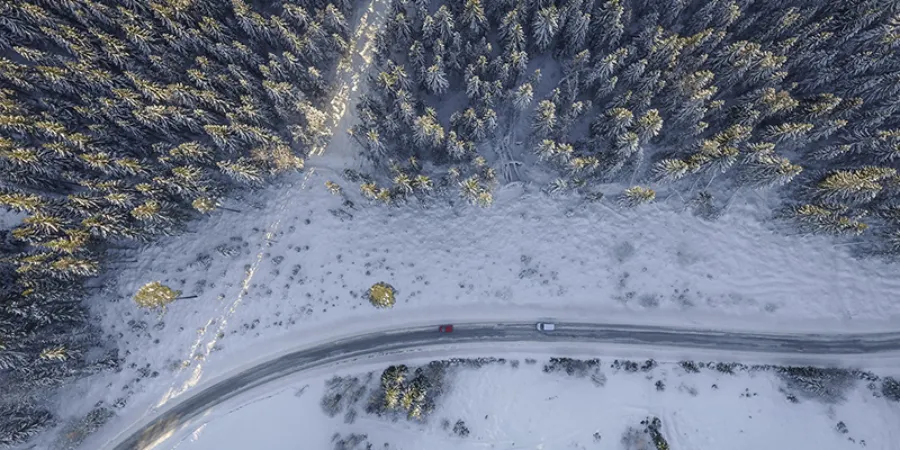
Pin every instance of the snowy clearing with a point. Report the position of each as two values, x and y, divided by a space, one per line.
288 275
525 408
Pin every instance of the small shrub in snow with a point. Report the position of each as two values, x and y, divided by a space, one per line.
647 438
660 385
653 429
333 187
572 367
726 368
382 295
823 384
628 366
842 428
460 429
890 388
352 441
155 295
341 393
577 368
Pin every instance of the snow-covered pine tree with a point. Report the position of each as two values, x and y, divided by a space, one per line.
545 26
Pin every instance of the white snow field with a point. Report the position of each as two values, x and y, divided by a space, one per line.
523 408
293 265
294 270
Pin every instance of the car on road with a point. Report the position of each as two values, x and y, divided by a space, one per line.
445 329
545 326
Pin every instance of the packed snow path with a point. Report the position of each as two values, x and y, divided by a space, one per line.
797 347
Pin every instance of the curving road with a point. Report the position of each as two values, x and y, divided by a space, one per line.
412 338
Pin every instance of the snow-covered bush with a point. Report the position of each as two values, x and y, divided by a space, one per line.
825 384
155 295
648 437
414 394
352 441
342 393
890 388
460 429
382 295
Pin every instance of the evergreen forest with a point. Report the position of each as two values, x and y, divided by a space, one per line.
123 120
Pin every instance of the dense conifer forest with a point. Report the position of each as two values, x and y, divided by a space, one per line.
743 94
674 93
121 120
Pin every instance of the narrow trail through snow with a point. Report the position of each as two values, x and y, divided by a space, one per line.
351 69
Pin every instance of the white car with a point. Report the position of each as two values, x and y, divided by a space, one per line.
543 326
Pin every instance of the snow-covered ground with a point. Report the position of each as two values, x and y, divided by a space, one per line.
10 219
295 263
525 408
292 266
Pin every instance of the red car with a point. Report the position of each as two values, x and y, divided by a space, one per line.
445 329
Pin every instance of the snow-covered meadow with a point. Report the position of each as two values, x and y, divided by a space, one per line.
520 406
287 273
290 275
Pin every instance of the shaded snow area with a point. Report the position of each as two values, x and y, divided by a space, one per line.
528 404
283 273
10 219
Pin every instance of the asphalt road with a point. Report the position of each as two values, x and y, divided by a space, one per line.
411 338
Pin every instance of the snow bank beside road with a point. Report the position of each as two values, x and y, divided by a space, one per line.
525 408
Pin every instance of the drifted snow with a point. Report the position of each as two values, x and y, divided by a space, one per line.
506 408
